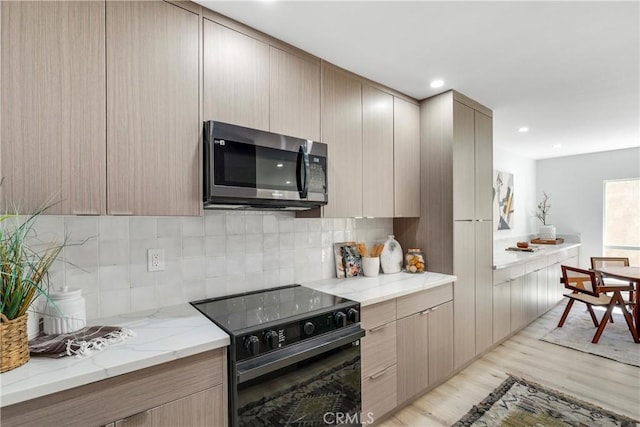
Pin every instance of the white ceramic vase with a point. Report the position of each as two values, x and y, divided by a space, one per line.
547 232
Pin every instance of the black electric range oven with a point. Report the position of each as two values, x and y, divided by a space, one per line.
294 357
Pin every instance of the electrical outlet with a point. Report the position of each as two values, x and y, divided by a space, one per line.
155 260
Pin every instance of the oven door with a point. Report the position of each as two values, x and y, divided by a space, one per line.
315 382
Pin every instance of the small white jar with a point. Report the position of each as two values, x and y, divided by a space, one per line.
68 314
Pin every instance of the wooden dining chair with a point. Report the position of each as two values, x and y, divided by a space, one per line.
598 262
586 287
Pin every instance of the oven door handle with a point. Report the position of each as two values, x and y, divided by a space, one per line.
269 362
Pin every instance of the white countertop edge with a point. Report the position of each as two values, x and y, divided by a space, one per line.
523 257
162 335
373 290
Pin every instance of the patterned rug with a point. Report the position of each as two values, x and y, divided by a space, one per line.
615 343
518 403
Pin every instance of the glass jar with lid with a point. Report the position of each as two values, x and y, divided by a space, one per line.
414 261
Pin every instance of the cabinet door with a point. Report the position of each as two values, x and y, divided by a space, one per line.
379 393
235 77
342 132
518 315
205 408
484 285
441 342
377 153
464 292
531 295
294 95
463 162
406 158
501 310
152 109
378 349
53 110
413 355
543 292
554 287
483 166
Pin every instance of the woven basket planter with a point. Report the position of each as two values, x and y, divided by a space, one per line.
14 344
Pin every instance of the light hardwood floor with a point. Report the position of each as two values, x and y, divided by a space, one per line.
603 382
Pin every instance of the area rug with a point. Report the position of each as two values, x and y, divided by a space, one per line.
615 343
518 402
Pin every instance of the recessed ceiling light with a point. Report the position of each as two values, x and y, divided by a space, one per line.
279 165
523 129
556 146
287 182
436 83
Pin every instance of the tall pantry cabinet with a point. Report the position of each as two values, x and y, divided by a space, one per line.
455 227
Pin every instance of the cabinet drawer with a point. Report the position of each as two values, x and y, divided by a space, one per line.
508 273
101 402
379 393
536 264
414 303
378 314
378 348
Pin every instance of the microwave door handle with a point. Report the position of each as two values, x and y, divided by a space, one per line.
303 172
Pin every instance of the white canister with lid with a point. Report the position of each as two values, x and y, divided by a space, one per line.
391 256
67 313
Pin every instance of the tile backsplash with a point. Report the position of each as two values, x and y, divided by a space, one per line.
222 252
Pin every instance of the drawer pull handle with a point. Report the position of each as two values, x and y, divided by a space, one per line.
378 374
425 311
435 308
377 328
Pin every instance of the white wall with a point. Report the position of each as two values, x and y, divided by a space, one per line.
220 253
576 186
524 181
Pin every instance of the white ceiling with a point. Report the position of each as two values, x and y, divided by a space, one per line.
569 71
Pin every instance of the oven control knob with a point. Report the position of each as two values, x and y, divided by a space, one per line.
309 327
353 315
341 319
271 339
252 345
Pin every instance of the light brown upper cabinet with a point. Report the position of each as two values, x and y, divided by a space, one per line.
152 109
377 153
406 158
294 96
52 107
463 162
342 132
483 138
235 77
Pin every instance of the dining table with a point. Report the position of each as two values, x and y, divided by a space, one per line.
632 275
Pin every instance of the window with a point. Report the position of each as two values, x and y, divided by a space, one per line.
621 234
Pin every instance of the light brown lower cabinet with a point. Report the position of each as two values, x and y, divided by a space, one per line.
200 409
518 315
425 349
501 310
185 392
378 360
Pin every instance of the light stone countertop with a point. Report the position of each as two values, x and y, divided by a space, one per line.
372 290
171 333
503 258
162 335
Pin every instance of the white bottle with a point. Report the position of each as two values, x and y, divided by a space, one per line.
391 256
67 313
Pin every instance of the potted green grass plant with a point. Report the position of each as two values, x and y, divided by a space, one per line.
23 277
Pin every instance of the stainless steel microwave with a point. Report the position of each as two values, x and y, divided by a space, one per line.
253 169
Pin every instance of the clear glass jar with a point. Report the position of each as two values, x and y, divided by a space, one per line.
415 261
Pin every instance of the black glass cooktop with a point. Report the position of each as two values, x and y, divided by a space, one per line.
236 313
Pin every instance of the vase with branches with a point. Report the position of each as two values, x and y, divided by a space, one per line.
543 208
